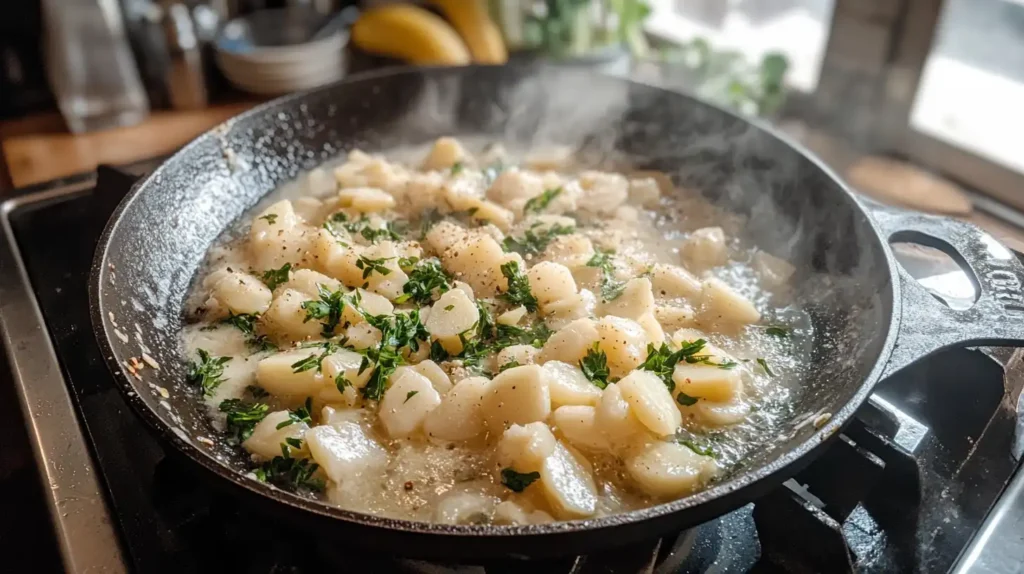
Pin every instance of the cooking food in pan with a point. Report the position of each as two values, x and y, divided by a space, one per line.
491 337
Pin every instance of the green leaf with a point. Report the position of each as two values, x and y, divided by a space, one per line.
409 395
764 365
540 203
535 239
518 481
207 372
686 400
274 277
242 418
595 366
518 290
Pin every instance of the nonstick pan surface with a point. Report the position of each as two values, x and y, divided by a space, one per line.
869 317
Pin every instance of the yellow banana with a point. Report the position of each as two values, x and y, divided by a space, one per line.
471 20
409 33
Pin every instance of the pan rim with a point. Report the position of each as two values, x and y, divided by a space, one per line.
757 481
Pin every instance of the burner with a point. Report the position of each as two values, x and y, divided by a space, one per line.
905 488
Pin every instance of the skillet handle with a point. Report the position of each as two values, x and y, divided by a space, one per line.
927 325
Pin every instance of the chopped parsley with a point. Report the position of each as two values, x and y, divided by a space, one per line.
457 168
208 372
541 202
508 335
611 288
426 280
246 323
764 365
290 473
342 383
662 361
518 481
449 307
535 239
242 418
327 310
518 292
369 266
703 451
509 365
302 414
686 400
397 332
261 343
275 277
270 217
364 228
595 366
407 263
437 352
315 361
409 395
777 331
257 392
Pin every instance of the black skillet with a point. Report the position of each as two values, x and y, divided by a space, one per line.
870 318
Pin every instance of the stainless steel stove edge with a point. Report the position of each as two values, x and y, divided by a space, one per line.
83 524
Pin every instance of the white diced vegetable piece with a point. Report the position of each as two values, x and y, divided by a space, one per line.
521 354
452 314
578 425
477 260
717 414
644 192
327 252
370 303
651 326
518 395
310 208
286 246
513 184
332 416
406 404
320 183
365 199
363 336
460 414
464 287
512 317
707 382
673 317
490 212
573 251
241 294
550 282
669 470
523 448
568 485
651 402
602 192
705 248
721 305
444 235
465 508
429 369
614 417
276 374
286 319
444 154
569 386
306 281
624 342
266 439
511 512
673 281
279 216
774 272
343 363
636 300
563 312
345 451
570 343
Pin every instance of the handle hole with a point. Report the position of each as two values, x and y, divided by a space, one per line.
937 267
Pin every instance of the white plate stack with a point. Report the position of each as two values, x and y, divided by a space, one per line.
275 52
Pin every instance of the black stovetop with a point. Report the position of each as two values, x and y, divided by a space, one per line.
905 489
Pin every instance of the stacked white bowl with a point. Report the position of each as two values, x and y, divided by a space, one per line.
274 52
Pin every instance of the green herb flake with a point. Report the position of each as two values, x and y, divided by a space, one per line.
535 239
370 266
662 360
764 365
611 288
777 331
541 202
437 352
703 451
686 400
242 418
315 361
302 414
274 277
457 168
426 281
509 365
595 366
409 395
327 310
207 373
270 217
245 322
517 481
293 474
518 291
257 392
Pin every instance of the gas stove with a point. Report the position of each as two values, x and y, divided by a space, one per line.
927 478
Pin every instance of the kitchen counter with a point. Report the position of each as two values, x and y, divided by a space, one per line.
39 148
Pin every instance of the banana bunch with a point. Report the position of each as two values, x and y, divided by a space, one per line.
419 36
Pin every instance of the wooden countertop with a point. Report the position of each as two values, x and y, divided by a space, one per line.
39 148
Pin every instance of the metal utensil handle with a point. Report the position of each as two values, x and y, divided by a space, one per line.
927 325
